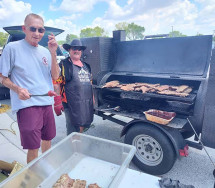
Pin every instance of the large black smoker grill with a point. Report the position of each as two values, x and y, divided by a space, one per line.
172 61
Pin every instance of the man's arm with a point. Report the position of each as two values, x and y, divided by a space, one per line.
52 45
57 88
54 67
22 93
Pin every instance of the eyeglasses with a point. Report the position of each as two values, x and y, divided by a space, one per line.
34 29
76 48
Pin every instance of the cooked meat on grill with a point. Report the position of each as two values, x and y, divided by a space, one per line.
152 90
173 88
188 90
93 186
137 89
64 182
162 87
168 92
128 87
151 85
181 91
139 84
114 83
182 88
145 89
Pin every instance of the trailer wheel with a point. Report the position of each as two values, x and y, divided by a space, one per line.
155 152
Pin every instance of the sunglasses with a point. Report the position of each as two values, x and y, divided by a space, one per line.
76 48
34 29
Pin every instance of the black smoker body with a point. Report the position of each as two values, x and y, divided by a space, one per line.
167 61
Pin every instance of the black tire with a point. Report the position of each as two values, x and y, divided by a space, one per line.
155 153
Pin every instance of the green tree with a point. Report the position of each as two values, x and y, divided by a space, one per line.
93 32
70 37
122 26
60 42
176 34
3 38
133 31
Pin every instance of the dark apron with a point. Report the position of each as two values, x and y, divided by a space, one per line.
79 96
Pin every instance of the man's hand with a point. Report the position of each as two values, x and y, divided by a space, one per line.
52 44
58 107
23 93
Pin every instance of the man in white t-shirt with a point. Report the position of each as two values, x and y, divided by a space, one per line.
28 68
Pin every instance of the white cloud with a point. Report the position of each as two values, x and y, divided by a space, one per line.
134 8
74 6
66 24
158 17
13 12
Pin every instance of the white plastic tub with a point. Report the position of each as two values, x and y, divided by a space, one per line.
82 157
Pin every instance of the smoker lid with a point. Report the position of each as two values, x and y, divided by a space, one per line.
169 56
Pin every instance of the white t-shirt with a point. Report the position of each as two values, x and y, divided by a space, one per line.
28 67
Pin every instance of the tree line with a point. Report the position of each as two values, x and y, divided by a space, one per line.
133 32
3 38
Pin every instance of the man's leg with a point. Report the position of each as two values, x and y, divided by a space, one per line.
32 154
45 145
30 123
48 132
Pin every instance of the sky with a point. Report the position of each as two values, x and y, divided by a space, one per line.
190 17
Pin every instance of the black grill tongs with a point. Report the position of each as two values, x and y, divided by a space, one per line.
50 94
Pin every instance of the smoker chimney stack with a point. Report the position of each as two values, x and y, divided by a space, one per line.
119 35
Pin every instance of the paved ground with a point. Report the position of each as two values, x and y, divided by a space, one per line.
196 169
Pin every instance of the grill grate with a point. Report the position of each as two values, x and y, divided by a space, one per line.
140 96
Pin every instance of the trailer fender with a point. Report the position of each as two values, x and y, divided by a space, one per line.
174 135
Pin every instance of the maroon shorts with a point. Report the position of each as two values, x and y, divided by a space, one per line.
36 123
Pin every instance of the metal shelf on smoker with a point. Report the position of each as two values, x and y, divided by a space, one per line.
176 123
